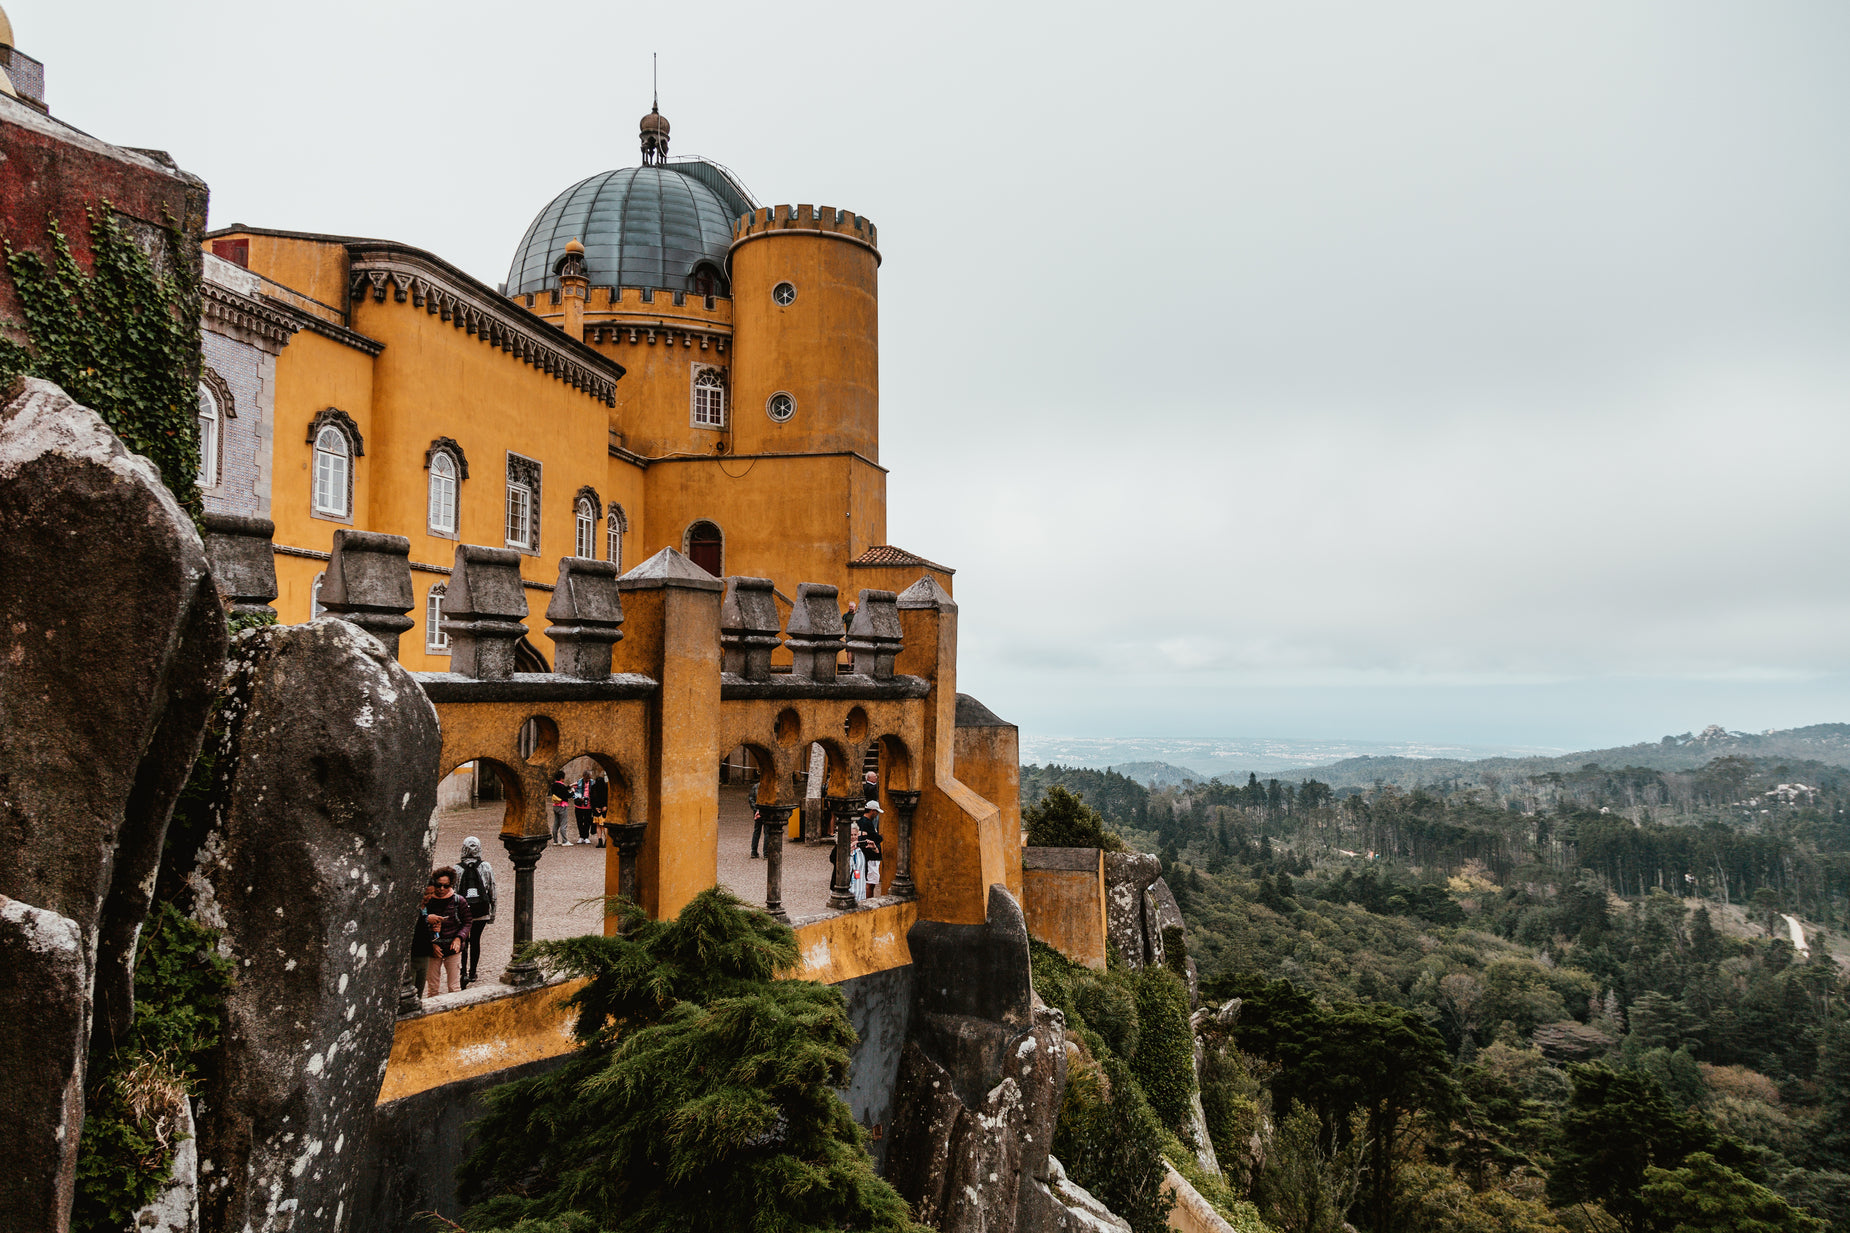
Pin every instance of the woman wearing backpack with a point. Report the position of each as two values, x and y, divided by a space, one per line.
475 880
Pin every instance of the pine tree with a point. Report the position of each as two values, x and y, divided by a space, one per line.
703 1092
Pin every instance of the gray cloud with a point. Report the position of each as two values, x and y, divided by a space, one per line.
1443 370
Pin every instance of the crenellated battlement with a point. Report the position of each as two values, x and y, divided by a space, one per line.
773 220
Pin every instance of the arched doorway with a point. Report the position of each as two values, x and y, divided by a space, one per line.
706 547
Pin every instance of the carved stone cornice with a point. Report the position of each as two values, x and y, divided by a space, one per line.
260 324
409 275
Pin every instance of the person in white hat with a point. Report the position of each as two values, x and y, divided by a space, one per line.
870 844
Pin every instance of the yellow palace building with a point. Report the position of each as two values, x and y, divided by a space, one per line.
669 364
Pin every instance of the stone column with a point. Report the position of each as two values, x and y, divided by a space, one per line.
628 837
776 822
524 852
368 582
904 802
841 892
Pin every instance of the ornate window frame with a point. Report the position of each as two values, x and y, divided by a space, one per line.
523 476
436 642
587 512
616 526
211 438
706 397
341 422
445 447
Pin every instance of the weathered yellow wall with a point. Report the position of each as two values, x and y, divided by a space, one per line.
315 268
1064 901
786 519
988 762
443 1046
853 944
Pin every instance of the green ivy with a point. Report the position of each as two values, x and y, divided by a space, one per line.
122 339
1165 1057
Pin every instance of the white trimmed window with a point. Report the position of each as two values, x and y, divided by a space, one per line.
208 437
442 493
519 515
435 640
333 473
314 597
709 399
614 536
523 502
585 542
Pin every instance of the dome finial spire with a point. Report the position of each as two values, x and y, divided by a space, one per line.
654 125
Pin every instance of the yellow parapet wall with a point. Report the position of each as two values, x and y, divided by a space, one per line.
509 1028
838 948
1064 901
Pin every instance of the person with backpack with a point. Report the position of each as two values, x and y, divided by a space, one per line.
561 808
475 880
445 930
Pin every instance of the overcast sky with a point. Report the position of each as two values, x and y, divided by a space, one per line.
1451 372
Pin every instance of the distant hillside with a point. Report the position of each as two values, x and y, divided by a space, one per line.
1826 743
1159 774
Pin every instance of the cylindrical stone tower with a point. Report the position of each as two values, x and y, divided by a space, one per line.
806 358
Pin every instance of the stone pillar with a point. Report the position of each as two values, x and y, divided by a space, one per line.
748 628
588 613
368 583
904 802
841 891
523 852
483 612
876 638
672 635
776 822
243 565
628 837
815 633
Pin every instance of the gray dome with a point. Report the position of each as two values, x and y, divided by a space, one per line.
641 227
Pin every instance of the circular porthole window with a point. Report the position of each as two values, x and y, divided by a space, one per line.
780 406
784 293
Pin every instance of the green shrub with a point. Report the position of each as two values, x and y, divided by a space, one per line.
1110 1009
1165 1059
1111 1143
1062 820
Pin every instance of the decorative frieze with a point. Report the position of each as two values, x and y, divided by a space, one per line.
421 281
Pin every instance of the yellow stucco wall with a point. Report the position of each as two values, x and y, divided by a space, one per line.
823 348
839 948
444 1046
1065 907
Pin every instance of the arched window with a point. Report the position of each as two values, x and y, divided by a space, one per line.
709 398
618 524
585 544
435 640
333 473
208 437
706 547
442 493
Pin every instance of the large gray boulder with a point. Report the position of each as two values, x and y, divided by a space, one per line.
313 866
980 1082
111 640
1127 876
